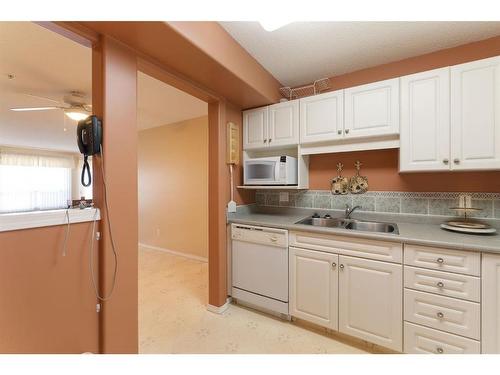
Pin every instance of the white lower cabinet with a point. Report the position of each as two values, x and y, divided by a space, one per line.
314 286
449 302
423 340
370 301
491 304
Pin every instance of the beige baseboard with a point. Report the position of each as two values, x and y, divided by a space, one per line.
173 252
219 309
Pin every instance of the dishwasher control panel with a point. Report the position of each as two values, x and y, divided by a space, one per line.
260 235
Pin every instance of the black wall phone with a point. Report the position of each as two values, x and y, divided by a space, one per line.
89 136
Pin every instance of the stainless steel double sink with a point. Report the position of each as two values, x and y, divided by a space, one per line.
351 224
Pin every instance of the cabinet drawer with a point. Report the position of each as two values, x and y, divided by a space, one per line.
457 261
423 340
443 283
444 313
371 249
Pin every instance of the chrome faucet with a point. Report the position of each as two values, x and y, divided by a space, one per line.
349 210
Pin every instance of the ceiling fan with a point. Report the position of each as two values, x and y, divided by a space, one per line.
73 105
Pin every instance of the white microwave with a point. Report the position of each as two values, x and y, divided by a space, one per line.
276 170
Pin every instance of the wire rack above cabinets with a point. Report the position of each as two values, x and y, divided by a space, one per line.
299 92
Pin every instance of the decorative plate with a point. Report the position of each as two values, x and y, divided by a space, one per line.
468 230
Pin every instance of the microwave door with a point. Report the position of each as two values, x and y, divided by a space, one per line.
261 172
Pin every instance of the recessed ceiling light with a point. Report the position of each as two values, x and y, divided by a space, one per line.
273 24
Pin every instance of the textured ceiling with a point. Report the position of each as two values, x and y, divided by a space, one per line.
302 52
49 65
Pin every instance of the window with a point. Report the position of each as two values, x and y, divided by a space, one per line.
34 188
31 182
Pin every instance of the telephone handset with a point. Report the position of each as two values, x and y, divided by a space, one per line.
89 137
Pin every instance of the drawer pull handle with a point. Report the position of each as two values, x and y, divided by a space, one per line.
440 260
274 239
439 350
440 284
334 265
440 315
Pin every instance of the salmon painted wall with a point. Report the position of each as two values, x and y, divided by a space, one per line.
241 196
202 53
381 167
173 186
47 300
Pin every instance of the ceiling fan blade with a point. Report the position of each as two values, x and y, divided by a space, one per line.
44 98
26 109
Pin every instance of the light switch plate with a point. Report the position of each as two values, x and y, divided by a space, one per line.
284 196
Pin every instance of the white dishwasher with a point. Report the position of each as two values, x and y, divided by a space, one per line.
260 266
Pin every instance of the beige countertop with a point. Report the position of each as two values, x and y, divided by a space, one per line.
413 229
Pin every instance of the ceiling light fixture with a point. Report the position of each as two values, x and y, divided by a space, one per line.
76 115
273 24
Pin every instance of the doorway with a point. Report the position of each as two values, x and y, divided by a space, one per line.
173 212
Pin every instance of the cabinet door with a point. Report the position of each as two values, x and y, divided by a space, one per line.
425 121
284 124
372 109
255 131
475 115
370 301
314 287
322 117
491 304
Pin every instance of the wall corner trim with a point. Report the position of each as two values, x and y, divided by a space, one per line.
220 309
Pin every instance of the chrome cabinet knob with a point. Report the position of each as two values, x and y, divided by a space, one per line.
445 161
439 350
456 161
341 266
270 140
440 284
347 131
265 140
440 260
339 132
334 264
440 315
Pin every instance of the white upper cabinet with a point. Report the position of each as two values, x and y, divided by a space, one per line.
276 125
284 124
425 121
475 115
372 109
322 117
370 301
255 131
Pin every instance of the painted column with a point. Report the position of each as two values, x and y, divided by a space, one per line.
114 89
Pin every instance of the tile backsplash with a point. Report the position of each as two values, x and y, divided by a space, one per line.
384 201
